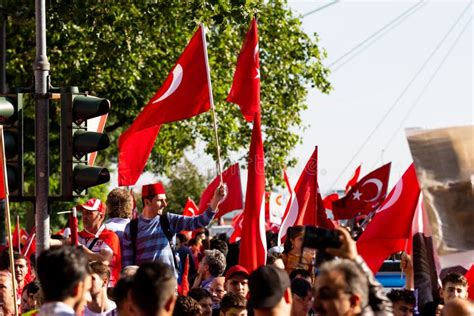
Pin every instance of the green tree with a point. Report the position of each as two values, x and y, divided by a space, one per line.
124 51
184 182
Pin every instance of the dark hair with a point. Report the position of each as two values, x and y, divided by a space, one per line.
60 269
99 268
233 300
120 291
216 262
119 203
33 287
455 278
199 293
17 255
292 233
404 295
182 238
186 306
300 287
303 273
193 242
220 245
153 284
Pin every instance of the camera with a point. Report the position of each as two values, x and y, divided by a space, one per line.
320 238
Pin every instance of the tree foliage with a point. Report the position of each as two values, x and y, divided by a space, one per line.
123 51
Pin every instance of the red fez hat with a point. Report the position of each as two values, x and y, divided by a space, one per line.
153 189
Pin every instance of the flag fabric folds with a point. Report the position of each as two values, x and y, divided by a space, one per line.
390 229
184 94
234 199
353 180
306 207
245 90
237 224
190 209
365 196
253 244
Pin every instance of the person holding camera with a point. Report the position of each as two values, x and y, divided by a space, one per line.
347 286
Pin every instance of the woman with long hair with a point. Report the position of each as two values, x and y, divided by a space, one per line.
293 258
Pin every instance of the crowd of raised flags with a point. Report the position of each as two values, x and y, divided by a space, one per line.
387 223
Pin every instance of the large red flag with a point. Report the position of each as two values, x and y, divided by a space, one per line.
306 207
390 229
184 94
253 244
233 201
245 90
353 180
365 196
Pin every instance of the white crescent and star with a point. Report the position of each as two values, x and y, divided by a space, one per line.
177 77
379 186
397 191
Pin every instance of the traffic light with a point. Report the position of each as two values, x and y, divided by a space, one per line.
77 142
11 117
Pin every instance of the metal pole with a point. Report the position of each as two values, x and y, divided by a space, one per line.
3 54
41 70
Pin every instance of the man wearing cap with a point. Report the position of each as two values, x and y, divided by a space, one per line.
236 280
149 240
98 242
270 292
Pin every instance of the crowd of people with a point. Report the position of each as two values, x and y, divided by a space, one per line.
147 266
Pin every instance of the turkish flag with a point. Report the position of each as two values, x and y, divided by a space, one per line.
237 224
233 201
306 207
30 246
328 199
390 229
365 196
245 90
190 209
184 94
470 281
353 179
253 244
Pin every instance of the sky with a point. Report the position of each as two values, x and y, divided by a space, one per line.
384 80
383 88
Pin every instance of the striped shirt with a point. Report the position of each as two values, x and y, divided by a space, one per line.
152 243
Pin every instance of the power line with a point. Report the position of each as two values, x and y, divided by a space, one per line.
405 13
425 88
401 94
319 9
374 40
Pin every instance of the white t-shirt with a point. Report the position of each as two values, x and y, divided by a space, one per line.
112 311
117 225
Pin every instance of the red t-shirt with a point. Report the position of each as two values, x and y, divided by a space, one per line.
109 241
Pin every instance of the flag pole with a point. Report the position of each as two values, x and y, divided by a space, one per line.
18 232
8 220
211 100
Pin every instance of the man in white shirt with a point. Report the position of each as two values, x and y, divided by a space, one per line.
100 305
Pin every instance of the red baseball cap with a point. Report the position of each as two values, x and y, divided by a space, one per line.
93 205
237 269
154 189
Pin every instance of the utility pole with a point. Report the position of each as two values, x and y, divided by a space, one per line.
41 70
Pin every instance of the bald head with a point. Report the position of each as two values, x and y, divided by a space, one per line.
458 307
